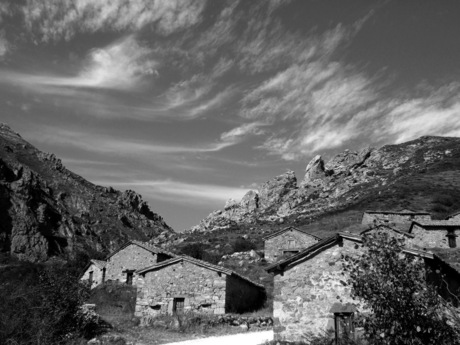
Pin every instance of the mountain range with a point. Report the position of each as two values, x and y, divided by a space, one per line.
47 211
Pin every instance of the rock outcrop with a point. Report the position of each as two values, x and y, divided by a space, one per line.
344 180
47 211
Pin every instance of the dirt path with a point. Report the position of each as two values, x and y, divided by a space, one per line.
250 338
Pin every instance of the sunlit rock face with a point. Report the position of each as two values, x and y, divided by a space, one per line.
346 179
48 211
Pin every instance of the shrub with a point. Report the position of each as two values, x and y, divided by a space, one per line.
404 309
41 305
242 245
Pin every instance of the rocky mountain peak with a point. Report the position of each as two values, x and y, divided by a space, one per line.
344 180
47 210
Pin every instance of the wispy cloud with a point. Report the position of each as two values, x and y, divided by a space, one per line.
57 19
182 192
102 144
121 65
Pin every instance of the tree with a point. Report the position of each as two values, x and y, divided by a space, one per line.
402 307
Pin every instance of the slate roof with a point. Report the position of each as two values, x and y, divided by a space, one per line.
401 212
146 246
441 224
450 256
394 227
289 228
99 263
453 214
327 243
197 262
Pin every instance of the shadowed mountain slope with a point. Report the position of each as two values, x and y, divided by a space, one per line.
47 210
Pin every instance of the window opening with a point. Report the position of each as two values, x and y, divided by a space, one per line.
178 305
90 279
452 239
103 275
129 277
291 244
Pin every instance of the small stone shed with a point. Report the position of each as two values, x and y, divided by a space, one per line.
310 293
403 216
287 241
121 265
184 284
95 272
435 233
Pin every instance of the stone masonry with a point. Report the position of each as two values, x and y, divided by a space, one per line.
305 294
132 257
405 216
95 271
432 236
201 287
288 240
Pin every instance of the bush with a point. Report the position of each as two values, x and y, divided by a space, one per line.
404 309
242 245
42 305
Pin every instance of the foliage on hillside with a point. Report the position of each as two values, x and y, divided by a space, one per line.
42 305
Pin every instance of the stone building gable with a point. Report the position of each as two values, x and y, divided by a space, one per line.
287 241
132 256
309 286
94 272
404 216
204 288
305 293
435 234
199 288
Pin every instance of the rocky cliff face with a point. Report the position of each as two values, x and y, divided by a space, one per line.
46 210
344 180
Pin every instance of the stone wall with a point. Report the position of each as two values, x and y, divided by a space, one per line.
304 294
203 290
132 257
241 296
368 218
408 241
97 275
429 238
275 246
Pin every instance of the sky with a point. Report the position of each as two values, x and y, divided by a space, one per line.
193 102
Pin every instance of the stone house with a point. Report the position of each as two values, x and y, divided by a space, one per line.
287 241
310 293
185 284
435 233
454 216
404 216
95 272
121 264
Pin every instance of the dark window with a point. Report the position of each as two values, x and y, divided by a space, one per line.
452 239
90 279
103 275
344 328
178 305
129 278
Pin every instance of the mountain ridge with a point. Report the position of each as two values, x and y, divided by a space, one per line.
48 211
348 178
